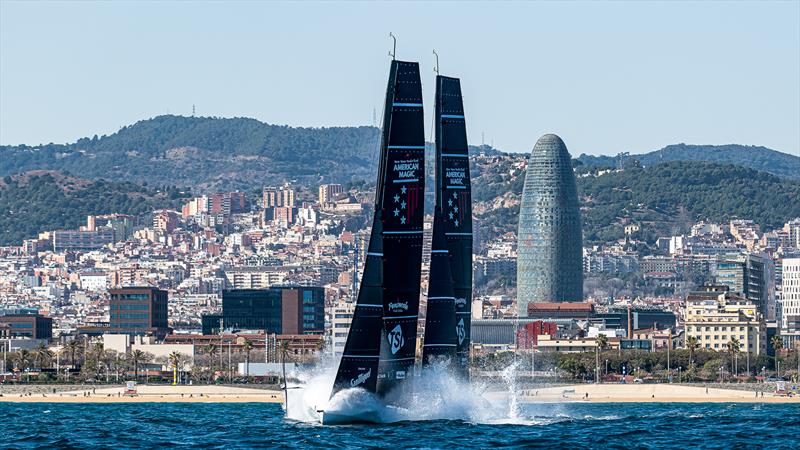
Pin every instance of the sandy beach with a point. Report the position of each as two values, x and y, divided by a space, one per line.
595 393
155 393
649 393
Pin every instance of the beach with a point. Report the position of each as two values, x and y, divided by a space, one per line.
145 393
650 393
594 393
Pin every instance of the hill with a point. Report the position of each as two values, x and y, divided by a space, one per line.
38 201
210 153
758 158
663 198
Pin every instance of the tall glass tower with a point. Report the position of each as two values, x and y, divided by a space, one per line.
549 264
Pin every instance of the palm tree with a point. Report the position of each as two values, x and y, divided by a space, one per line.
42 356
22 358
97 353
733 346
211 350
692 344
175 361
73 347
248 347
137 357
777 344
602 343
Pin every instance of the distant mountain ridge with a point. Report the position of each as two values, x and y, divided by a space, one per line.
753 157
210 153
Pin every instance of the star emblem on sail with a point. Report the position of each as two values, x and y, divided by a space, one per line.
400 209
452 204
396 340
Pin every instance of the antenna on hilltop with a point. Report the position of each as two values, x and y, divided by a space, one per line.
193 110
436 69
394 46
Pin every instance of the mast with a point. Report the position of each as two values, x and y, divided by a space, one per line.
454 197
383 330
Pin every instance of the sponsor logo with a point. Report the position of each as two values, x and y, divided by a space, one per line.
400 375
361 378
396 340
460 331
398 306
461 301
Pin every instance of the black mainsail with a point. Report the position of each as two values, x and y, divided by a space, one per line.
440 318
454 201
380 348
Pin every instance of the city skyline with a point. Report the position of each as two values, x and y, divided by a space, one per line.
698 67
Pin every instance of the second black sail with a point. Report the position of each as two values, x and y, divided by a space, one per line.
454 213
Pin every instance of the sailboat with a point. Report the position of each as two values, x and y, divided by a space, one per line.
379 355
447 322
380 348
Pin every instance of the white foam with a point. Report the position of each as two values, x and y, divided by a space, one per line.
436 396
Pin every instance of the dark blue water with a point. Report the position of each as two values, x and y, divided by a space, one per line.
629 426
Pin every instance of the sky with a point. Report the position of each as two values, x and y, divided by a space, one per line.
605 76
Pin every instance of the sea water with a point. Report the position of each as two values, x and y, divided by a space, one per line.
258 425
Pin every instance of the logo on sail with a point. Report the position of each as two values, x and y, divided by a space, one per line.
461 301
460 331
395 338
361 378
397 307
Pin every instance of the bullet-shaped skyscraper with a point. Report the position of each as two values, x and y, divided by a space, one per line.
549 264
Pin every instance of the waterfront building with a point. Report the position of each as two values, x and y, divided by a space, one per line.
752 276
715 316
341 318
280 310
138 311
549 265
790 302
560 310
26 324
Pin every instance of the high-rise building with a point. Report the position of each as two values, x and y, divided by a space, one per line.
281 310
792 228
328 192
751 275
549 262
138 311
282 196
165 220
790 301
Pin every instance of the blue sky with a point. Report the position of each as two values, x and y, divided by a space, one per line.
607 77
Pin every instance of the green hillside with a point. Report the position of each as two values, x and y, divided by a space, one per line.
207 153
42 200
754 157
664 198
